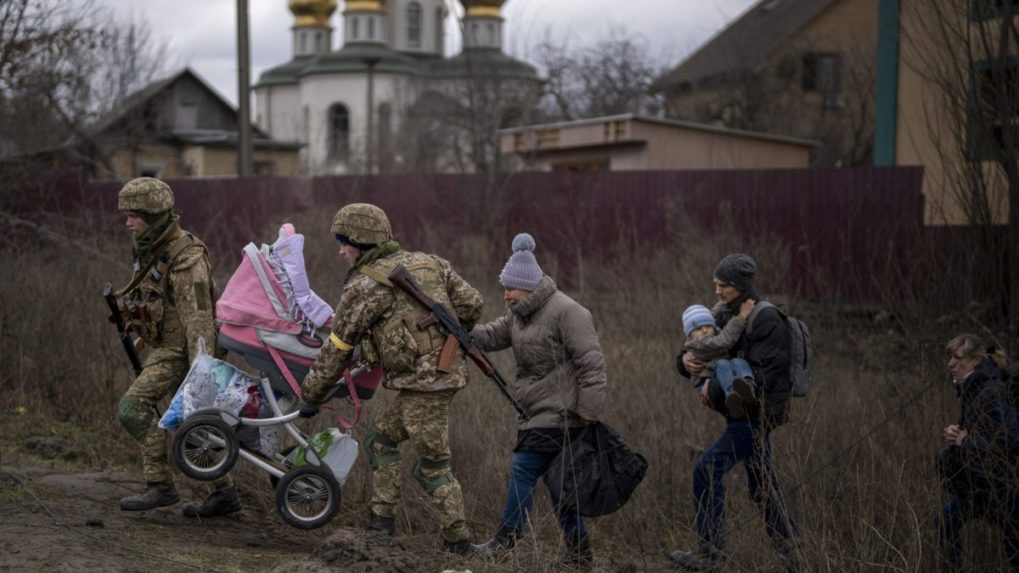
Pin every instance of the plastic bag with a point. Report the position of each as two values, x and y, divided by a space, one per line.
337 449
210 382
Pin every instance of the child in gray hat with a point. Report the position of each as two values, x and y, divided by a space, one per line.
733 378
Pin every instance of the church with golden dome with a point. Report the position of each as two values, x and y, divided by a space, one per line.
388 96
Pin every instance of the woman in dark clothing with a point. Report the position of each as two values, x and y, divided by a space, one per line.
977 462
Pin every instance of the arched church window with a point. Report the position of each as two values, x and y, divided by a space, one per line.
371 28
438 30
354 28
490 27
414 25
339 132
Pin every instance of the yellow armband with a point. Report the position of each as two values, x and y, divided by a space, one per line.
339 343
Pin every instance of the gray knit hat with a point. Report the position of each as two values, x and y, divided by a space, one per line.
738 270
522 270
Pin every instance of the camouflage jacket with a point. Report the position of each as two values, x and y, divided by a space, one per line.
383 319
170 302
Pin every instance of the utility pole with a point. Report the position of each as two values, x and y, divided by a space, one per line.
244 160
370 62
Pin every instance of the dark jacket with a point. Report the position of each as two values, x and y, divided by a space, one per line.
766 349
989 419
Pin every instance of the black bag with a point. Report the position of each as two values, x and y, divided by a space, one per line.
595 473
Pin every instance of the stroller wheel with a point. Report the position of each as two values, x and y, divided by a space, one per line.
308 497
205 448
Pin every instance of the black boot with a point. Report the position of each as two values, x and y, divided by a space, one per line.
503 540
578 554
383 524
463 548
220 502
699 560
158 494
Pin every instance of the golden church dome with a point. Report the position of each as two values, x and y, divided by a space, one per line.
312 12
363 6
483 8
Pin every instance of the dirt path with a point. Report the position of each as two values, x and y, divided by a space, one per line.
56 517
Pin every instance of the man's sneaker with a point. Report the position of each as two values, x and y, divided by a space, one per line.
220 502
158 494
698 560
746 390
463 548
383 524
503 540
734 405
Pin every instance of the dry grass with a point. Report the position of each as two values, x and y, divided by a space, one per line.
863 498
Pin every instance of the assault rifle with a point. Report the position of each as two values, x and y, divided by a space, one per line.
457 336
116 317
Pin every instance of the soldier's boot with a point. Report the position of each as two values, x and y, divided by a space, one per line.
220 502
503 540
701 559
157 494
379 523
578 555
463 548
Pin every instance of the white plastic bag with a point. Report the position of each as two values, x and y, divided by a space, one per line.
337 449
209 383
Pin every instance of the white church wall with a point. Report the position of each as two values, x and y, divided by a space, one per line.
278 112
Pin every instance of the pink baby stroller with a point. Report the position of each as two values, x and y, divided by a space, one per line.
271 317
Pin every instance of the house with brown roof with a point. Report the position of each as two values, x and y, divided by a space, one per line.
799 68
173 128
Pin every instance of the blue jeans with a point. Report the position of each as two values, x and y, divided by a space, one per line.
949 522
526 468
743 441
728 370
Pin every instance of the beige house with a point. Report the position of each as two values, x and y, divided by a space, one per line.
803 68
951 107
632 142
175 128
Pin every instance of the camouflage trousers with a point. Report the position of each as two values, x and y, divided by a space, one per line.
422 419
164 370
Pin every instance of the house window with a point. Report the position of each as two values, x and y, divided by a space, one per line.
822 73
990 9
414 25
994 109
265 168
339 132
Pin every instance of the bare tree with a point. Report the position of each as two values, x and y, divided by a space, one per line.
613 76
966 51
63 65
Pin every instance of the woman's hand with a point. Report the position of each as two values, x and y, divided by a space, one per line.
746 308
954 435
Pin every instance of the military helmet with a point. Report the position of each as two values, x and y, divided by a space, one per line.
362 223
145 195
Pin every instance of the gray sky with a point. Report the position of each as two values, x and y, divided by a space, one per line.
201 33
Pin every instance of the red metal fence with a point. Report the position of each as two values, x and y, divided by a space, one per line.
850 226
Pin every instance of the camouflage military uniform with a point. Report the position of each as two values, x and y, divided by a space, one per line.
169 304
370 303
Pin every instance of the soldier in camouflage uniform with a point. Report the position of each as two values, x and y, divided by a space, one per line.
382 318
169 304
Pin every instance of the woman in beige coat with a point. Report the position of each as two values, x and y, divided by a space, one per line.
560 383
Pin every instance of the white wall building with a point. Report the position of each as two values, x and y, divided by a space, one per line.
347 105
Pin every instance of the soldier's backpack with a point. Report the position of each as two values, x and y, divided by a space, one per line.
801 352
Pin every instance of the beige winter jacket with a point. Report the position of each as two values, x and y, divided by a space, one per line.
561 376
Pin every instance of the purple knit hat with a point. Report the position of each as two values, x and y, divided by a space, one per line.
522 270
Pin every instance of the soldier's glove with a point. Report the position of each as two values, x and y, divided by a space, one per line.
308 410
